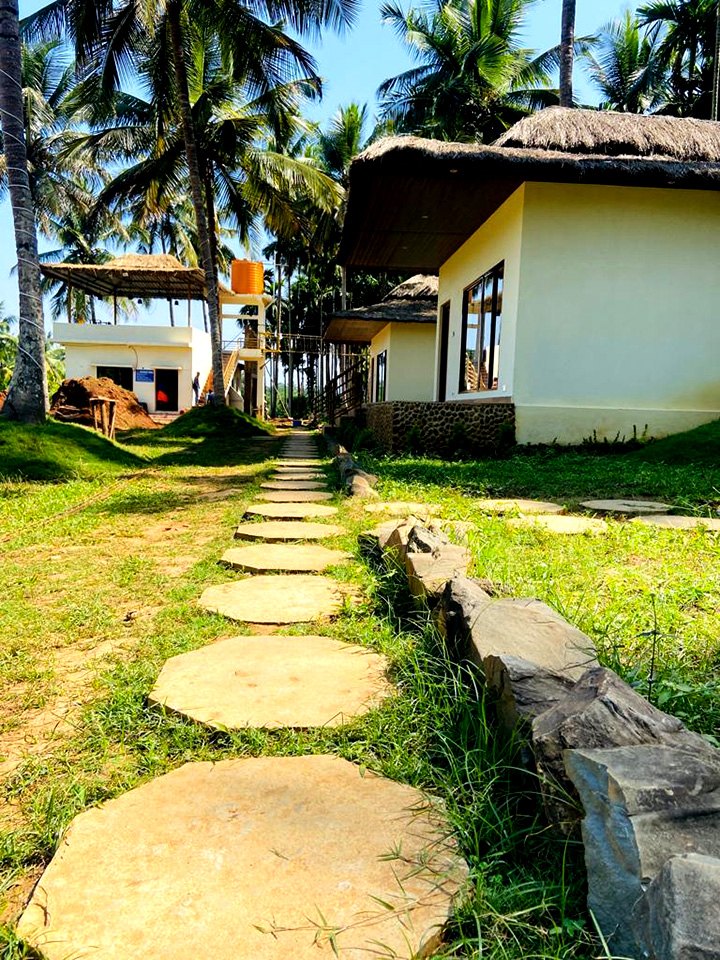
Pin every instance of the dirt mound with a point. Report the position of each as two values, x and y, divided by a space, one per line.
71 403
3 394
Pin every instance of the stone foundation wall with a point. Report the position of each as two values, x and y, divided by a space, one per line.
441 428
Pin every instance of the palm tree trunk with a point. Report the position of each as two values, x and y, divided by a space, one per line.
567 49
27 398
716 67
196 190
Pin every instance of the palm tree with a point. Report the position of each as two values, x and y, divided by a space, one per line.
626 68
567 48
685 33
109 36
54 355
27 397
474 80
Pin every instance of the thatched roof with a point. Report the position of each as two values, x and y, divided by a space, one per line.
610 134
413 202
414 301
133 275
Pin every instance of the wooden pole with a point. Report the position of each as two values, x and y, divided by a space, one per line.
69 304
115 308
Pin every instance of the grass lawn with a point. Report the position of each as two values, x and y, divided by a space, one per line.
98 587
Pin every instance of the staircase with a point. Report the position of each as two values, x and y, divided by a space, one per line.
230 362
345 393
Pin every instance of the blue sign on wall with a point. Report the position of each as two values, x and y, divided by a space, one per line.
144 376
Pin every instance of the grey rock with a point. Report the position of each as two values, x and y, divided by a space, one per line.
461 603
599 711
643 804
523 689
428 572
423 540
679 917
358 487
369 477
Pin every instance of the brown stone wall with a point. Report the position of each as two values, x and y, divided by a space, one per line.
446 429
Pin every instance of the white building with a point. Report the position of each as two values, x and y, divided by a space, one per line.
577 260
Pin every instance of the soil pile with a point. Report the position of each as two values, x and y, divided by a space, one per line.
71 404
3 394
212 420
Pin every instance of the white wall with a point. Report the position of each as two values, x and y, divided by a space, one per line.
410 360
619 314
184 349
499 239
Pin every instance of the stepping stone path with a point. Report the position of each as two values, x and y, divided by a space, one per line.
679 523
295 496
626 506
291 511
293 485
272 857
267 599
302 473
278 531
555 524
264 858
304 463
270 682
521 506
268 557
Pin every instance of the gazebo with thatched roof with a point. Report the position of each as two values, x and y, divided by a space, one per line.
577 262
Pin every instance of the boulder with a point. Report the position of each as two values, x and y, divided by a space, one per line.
369 477
357 486
679 919
429 572
600 711
522 688
643 804
424 540
459 607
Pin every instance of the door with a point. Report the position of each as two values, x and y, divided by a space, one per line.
444 342
166 390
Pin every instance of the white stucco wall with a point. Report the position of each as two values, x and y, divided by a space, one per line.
619 313
410 360
184 349
499 239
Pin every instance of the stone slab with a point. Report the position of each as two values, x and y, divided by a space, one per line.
267 599
518 506
291 511
278 531
300 462
560 524
273 681
283 558
629 505
283 484
301 473
263 858
295 496
428 573
679 523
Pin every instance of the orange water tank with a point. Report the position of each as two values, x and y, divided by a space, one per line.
247 276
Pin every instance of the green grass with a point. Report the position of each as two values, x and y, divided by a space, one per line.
55 451
698 446
71 577
210 421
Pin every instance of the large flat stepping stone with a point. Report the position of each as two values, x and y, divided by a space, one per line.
301 462
273 682
293 485
401 507
296 599
295 496
283 558
298 473
291 511
679 523
560 524
277 531
519 506
254 859
626 506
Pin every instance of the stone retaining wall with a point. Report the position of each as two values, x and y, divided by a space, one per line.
646 787
441 428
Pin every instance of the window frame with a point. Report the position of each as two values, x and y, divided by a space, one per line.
381 376
497 273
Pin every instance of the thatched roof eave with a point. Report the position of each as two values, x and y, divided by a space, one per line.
134 276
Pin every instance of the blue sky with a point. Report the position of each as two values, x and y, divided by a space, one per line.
353 67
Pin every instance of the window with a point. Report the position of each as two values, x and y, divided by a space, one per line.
482 326
122 376
380 373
